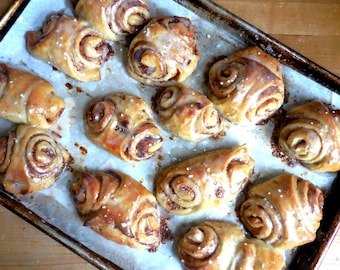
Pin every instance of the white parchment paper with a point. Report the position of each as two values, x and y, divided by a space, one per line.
55 204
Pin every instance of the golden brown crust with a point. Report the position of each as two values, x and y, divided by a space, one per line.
187 113
214 245
310 134
204 246
246 86
123 125
71 46
164 51
205 181
31 160
28 99
284 211
254 254
119 208
114 19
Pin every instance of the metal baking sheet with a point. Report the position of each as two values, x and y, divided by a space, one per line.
219 33
9 12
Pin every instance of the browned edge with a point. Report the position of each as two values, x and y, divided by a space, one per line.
13 204
11 15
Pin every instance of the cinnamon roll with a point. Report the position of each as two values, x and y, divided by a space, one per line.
310 134
164 51
204 181
223 245
187 113
28 99
123 125
30 160
246 86
70 45
284 211
119 208
114 19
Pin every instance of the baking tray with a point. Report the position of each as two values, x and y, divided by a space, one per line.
240 34
9 12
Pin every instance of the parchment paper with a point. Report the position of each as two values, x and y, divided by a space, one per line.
55 204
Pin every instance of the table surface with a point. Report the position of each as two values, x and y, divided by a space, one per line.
311 27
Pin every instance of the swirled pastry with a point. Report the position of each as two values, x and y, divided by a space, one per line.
119 208
70 45
247 86
30 160
187 113
28 99
164 51
205 181
122 124
222 245
114 19
310 134
284 211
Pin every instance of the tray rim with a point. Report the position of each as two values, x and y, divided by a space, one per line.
10 16
306 256
309 255
255 36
